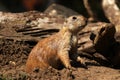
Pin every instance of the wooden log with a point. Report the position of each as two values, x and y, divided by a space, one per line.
28 28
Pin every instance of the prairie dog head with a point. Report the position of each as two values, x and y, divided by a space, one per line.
75 23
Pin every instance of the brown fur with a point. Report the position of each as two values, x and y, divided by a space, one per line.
58 48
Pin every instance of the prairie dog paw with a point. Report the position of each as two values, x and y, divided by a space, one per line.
81 60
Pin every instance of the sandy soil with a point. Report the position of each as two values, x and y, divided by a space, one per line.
13 56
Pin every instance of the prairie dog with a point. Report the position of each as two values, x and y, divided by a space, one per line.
58 48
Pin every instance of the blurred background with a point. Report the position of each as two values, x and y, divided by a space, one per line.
40 5
16 6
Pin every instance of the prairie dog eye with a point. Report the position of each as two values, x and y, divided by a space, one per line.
74 18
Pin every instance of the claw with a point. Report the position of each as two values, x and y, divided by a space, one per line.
82 61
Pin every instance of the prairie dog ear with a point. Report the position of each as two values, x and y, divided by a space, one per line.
66 20
65 23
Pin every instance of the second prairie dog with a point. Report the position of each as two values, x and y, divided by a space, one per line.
58 48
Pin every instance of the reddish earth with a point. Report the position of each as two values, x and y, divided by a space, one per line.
13 56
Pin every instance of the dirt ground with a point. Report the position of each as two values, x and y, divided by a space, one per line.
13 56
